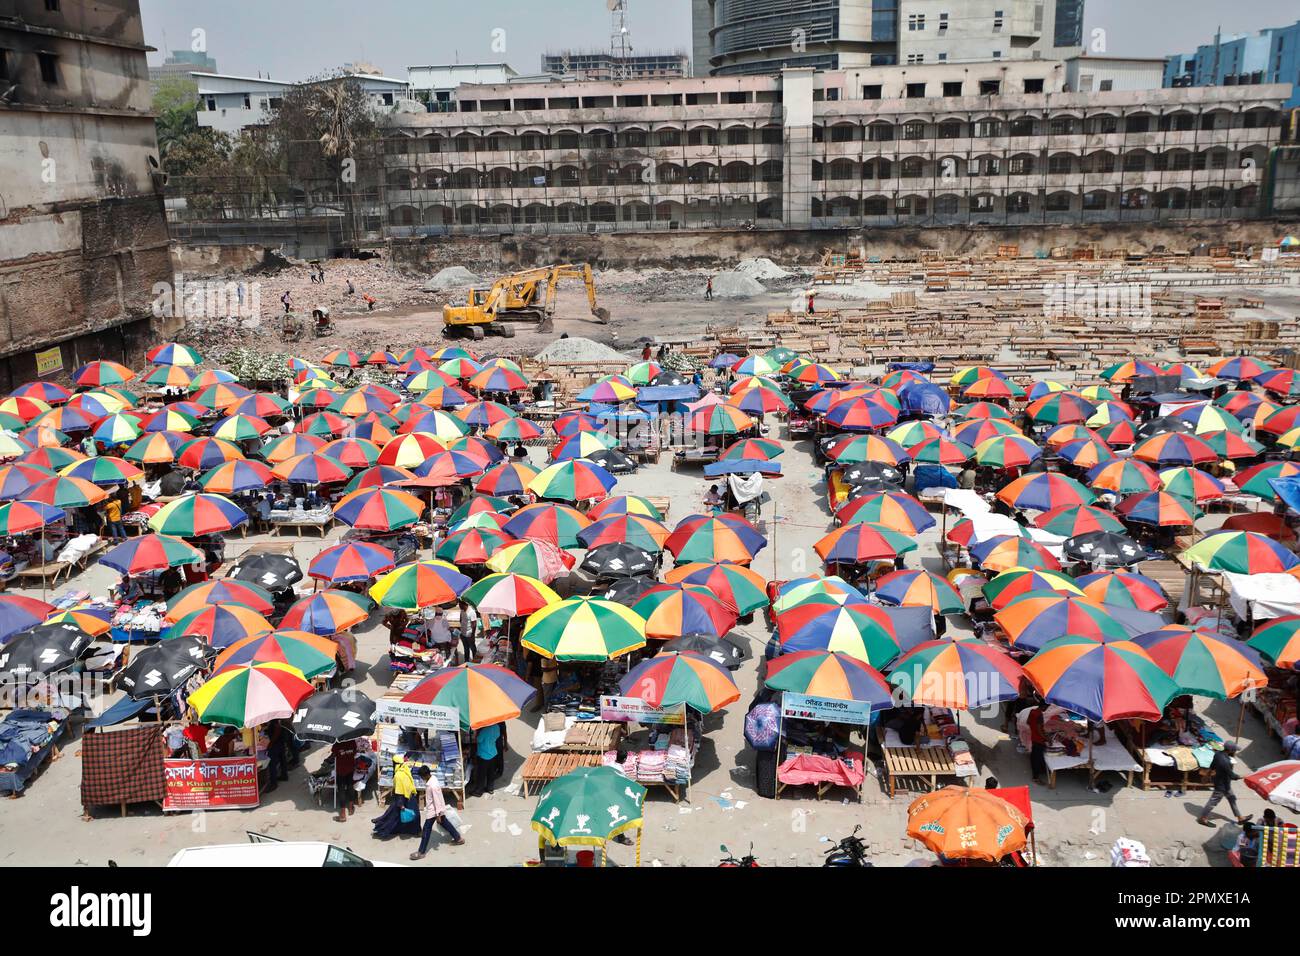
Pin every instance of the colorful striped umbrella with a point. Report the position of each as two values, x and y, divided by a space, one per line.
51 393
103 470
536 559
351 562
235 477
573 480
1192 484
971 373
671 610
50 459
582 444
291 446
309 653
1044 491
221 625
420 585
150 552
65 492
1016 582
720 419
1002 553
1064 435
896 510
636 530
624 505
1281 381
210 377
197 514
864 631
962 675
102 372
583 629
95 620
514 429
1124 588
862 542
609 391
249 695
860 413
739 588
1103 682
117 429
1124 477
941 451
912 433
509 595
1202 663
1173 448
725 537
1209 418
506 478
328 612
1241 552
672 679
240 428
481 414
815 588
1060 408
19 613
23 517
1127 371
861 448
323 425
205 453
377 476
314 469
979 430
352 452
1007 451
556 524
221 591
919 589
571 422
157 448
831 675
16 478
481 504
379 509
443 396
759 401
1279 641
982 410
484 694
498 379
1069 520
410 449
469 546
1159 509
169 376
1034 618
1256 479
993 387
1086 453
1117 434
173 353
1239 367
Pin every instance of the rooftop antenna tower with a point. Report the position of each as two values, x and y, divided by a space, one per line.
620 39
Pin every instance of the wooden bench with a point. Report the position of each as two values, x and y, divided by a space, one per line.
277 527
541 768
48 573
926 762
661 503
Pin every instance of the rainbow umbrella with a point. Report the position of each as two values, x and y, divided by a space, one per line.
993 388
509 595
313 469
214 376
816 588
169 376
323 425
831 675
411 449
720 419
221 395
1007 451
205 453
472 545
312 655
1086 453
425 379
102 372
62 419
1281 381
583 629
19 613
1127 371
260 405
555 524
481 504
352 452
1239 367
862 542
1036 617
982 410
739 588
910 588
235 477
641 532
910 434
483 414
23 517
582 444
95 620
573 480
1202 663
1174 448
671 610
1208 418
1044 491
571 422
1241 552
100 403
1061 408
65 492
1008 585
484 694
478 448
173 353
1257 480
1124 588
16 478
420 585
356 402
1069 520
813 373
1118 434
377 476
1103 682
150 552
624 505
379 509
862 448
1277 421
374 428
514 429
103 470
342 358
1159 509
221 591
1002 553
962 675
351 562
609 391
498 379
1099 393
328 611
461 368
1192 484
221 624
291 446
197 514
941 451
725 537
864 631
50 458
759 401
117 429
893 509
240 428
973 373
1279 640
643 373
1288 440
51 393
536 559
860 413
444 396
506 478
318 397
673 679
249 695
1124 477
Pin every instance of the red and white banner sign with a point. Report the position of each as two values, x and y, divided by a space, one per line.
213 783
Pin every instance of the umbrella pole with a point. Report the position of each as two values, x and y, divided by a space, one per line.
1241 719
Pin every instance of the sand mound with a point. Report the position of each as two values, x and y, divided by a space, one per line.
761 268
577 349
735 285
453 277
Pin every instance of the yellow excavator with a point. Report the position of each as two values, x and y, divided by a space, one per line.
527 296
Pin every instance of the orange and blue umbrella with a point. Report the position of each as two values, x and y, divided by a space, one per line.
351 562
103 470
941 451
1008 585
16 478
893 509
1279 640
1257 479
379 509
221 591
150 552
66 419
205 453
173 353
759 400
1060 408
235 477
221 624
240 428
1044 491
249 695
410 449
1239 367
355 402
472 545
918 588
1063 435
1003 552
739 588
1204 663
1124 477
1103 682
420 585
200 513
637 530
863 448
962 675
1007 451
352 452
671 610
381 358
573 422
552 523
313 655
50 459
514 429
863 542
1036 617
483 451
1069 520
864 631
982 410
725 537
102 372
1231 446
64 492
445 396
483 414
1159 509
23 517
673 679
574 480
721 419
1124 588
1086 452
860 413
323 425
509 595
51 393
314 469
506 478
375 428
1174 448
993 388
291 446
169 376
498 379
1192 484
328 611
1241 552
979 430
445 468
1127 371
378 476
831 675
582 444
483 694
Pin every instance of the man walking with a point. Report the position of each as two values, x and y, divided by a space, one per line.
435 811
1221 766
1037 744
708 290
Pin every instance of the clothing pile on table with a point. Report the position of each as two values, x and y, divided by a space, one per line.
77 548
1066 733
24 732
1191 748
296 512
146 616
669 761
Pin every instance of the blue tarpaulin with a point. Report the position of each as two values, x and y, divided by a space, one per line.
666 393
122 711
925 397
933 476
1288 489
911 366
742 466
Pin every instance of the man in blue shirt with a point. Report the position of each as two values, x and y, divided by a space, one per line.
485 756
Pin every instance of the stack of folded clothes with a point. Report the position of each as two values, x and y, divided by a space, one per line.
650 765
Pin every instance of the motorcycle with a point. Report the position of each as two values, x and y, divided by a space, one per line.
851 851
747 861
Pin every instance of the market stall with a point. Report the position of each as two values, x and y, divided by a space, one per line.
417 734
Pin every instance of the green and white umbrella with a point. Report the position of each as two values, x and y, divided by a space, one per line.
589 807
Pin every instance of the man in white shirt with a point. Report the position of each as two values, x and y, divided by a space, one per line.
435 811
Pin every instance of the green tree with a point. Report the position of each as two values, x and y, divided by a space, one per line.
176 110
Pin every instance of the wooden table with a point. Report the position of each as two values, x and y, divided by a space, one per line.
929 762
541 768
592 736
277 527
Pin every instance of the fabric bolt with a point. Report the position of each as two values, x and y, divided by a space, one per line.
124 765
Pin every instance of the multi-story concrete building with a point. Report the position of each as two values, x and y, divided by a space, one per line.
876 146
228 103
1107 74
435 85
1269 56
83 238
604 65
748 37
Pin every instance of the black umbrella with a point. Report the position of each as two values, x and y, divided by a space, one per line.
275 572
617 560
160 670
728 650
613 461
1104 549
334 715
627 591
1163 424
869 476
44 649
668 377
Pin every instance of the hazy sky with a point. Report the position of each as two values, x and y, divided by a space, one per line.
292 39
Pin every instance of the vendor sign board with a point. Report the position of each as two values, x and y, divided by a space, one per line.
428 716
804 707
49 361
211 783
623 709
